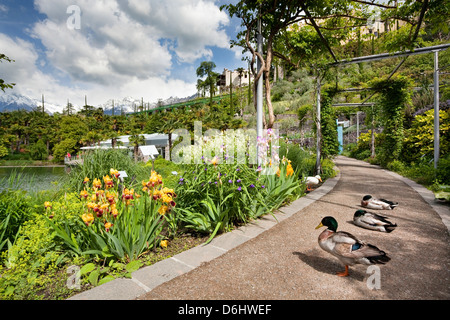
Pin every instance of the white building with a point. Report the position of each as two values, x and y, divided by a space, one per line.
234 77
159 140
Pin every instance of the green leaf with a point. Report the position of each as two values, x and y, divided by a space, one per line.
133 266
93 277
87 268
106 279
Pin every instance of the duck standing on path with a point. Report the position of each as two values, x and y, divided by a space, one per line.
370 202
347 248
373 221
312 181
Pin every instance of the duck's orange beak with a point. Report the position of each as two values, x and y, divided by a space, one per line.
319 226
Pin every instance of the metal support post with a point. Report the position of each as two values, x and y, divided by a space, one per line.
259 91
436 108
318 131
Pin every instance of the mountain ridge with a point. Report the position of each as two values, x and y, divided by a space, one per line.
15 101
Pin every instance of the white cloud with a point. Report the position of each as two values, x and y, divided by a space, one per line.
192 25
126 36
123 48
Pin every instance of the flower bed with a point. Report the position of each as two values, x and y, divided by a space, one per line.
110 228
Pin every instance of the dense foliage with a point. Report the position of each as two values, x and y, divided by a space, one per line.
107 226
329 143
36 135
394 97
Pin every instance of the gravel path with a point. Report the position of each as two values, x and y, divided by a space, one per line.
286 263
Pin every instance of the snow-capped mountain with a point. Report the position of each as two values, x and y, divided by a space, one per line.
14 101
130 104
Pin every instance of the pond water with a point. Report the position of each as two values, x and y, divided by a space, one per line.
31 178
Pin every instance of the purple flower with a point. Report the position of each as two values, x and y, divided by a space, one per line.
263 186
238 180
239 188
238 169
181 179
230 181
215 182
252 185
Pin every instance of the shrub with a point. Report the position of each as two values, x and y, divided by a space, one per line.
98 163
38 151
329 142
443 169
395 96
304 162
33 255
299 157
15 209
115 222
166 168
62 148
396 166
224 195
228 194
419 139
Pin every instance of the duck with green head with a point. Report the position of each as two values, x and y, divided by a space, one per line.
373 221
347 248
370 202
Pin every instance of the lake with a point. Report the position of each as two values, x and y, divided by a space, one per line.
31 178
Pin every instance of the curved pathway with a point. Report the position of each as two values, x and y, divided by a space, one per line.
285 261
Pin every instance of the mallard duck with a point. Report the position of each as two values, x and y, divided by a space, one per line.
312 181
347 248
370 202
373 221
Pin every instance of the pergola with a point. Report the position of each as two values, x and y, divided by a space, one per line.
405 54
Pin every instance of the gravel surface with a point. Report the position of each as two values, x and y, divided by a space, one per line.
286 262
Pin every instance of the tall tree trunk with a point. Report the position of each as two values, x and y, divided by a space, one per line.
136 149
268 63
170 145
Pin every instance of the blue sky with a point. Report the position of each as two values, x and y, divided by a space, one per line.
110 49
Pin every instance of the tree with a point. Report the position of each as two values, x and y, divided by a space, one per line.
323 24
60 150
240 72
38 151
69 109
171 121
207 69
136 139
4 85
275 15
